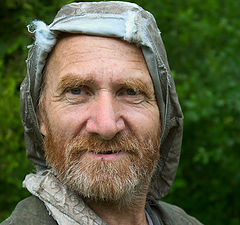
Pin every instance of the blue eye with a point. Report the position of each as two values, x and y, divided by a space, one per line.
131 91
75 91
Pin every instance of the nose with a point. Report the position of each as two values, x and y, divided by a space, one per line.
104 118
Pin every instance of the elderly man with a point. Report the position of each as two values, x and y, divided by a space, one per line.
102 121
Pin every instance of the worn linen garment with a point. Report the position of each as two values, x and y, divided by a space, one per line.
66 207
56 204
129 22
32 211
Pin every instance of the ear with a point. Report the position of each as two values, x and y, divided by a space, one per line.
42 123
42 127
41 116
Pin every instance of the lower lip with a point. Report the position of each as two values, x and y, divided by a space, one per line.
105 157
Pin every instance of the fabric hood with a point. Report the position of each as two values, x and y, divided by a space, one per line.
128 22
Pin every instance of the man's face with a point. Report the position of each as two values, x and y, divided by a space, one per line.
100 118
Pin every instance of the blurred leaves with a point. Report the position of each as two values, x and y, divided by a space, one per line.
202 39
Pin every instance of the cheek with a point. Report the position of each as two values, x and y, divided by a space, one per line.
143 121
68 122
72 120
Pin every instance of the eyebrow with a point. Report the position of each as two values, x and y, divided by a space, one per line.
138 84
75 80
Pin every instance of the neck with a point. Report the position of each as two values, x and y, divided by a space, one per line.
112 214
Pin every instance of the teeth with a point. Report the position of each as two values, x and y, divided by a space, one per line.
108 152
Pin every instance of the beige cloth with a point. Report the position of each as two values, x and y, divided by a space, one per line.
66 207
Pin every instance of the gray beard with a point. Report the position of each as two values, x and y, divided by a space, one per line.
122 182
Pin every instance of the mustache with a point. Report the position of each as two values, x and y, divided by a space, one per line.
122 142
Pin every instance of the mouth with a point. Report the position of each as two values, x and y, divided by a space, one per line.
106 155
107 152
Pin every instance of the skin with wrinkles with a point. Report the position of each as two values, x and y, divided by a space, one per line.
98 114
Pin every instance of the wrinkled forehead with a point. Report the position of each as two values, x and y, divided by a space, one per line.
85 44
87 54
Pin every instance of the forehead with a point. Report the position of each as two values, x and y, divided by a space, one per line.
87 42
95 55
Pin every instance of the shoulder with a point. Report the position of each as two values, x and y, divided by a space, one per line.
30 211
171 214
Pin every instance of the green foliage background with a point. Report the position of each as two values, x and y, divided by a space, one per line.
202 39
